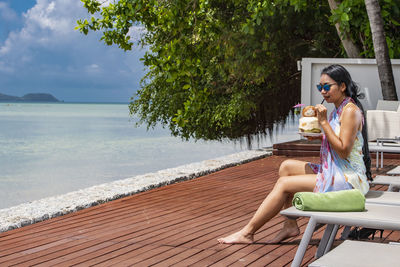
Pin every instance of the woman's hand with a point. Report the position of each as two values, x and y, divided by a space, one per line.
321 114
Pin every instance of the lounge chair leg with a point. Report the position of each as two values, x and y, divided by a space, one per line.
345 233
331 238
324 241
298 258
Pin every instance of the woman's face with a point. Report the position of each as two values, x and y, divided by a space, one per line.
336 93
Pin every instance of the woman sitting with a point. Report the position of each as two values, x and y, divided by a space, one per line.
344 157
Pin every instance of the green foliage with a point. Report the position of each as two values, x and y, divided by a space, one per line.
223 69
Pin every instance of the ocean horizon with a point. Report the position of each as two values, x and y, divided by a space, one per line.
54 148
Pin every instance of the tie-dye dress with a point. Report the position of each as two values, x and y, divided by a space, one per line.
335 173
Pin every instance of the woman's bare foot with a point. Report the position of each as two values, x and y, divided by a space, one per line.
237 238
285 233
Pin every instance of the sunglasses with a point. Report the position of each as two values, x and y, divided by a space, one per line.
326 87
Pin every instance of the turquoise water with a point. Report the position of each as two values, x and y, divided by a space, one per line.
51 149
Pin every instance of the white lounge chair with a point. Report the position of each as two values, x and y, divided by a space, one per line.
376 216
384 121
376 197
382 197
353 253
392 181
384 145
384 127
394 171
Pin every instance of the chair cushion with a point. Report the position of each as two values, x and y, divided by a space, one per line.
383 124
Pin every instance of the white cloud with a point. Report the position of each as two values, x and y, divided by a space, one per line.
58 16
51 23
48 23
47 46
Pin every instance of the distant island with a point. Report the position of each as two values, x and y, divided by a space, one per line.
39 97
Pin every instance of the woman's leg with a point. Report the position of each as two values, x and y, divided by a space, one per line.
282 192
290 168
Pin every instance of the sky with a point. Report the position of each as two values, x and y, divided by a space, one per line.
40 52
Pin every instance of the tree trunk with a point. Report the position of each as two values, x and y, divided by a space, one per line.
351 49
381 50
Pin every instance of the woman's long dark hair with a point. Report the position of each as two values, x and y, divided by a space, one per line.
340 75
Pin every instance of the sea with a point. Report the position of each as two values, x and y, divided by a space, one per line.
48 149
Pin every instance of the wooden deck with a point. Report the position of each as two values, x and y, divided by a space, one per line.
174 225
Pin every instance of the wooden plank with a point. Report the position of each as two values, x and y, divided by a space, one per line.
302 144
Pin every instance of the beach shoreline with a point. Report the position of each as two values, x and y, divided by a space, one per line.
51 207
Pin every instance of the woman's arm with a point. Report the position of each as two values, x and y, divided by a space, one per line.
350 123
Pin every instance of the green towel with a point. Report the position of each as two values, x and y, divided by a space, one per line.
345 200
